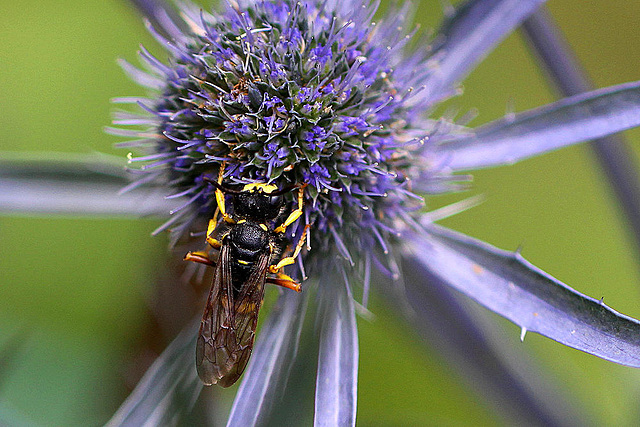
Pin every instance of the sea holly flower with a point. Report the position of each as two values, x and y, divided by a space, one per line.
286 92
292 93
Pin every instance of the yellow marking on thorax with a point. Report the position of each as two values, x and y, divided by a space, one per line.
266 188
264 227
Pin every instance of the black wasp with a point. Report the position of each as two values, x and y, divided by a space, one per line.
250 253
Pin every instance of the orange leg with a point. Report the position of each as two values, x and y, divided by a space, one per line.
282 279
287 282
199 257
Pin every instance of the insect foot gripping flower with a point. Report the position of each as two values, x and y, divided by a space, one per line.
290 122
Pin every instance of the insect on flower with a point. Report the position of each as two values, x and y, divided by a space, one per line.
282 95
249 248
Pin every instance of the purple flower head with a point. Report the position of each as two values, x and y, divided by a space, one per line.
319 109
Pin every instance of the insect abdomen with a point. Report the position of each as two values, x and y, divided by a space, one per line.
248 241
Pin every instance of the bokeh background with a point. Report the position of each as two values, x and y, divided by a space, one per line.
75 292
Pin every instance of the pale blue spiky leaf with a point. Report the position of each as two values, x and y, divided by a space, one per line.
168 389
469 35
507 284
74 184
337 378
474 345
568 121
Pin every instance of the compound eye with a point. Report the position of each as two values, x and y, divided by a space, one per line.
275 201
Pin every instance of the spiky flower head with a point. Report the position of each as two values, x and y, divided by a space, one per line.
291 92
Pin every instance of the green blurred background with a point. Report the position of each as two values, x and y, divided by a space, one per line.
74 291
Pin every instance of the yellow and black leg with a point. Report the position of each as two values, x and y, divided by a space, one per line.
213 242
202 257
282 279
220 197
293 216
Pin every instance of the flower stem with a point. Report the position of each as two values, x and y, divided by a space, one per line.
568 77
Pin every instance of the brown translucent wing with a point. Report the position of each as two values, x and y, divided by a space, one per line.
227 329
